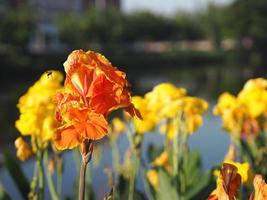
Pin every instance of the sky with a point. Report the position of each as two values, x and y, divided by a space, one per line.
168 7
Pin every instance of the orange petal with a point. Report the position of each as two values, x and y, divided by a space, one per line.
96 127
110 71
67 138
260 189
104 94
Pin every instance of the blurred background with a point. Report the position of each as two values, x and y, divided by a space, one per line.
206 46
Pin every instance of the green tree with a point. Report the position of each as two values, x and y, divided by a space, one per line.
250 21
17 26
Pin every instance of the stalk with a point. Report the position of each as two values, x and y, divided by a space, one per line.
86 152
40 174
49 179
135 144
115 157
133 178
82 180
59 167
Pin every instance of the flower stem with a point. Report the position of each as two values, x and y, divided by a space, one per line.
82 180
115 157
133 177
59 174
86 152
49 179
40 174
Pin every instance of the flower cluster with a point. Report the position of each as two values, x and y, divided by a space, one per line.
37 111
166 102
92 89
245 114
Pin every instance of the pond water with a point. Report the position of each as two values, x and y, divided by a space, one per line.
210 140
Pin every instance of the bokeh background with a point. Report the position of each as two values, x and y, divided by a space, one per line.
206 46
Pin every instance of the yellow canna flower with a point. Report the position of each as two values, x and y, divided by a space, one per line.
194 105
254 97
244 170
169 103
190 107
259 83
23 149
149 120
231 111
153 178
226 101
37 109
193 122
163 94
241 115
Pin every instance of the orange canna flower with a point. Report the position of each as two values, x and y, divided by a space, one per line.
91 76
93 89
228 184
260 189
83 125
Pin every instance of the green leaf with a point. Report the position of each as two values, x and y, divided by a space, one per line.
166 188
201 189
3 194
192 168
247 154
17 174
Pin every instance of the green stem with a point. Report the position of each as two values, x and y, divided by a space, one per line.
185 160
146 185
136 153
133 177
115 156
49 179
40 174
59 166
175 155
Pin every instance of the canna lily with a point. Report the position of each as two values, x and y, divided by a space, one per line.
242 115
260 189
37 110
149 118
162 95
244 170
254 97
192 109
93 88
228 184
